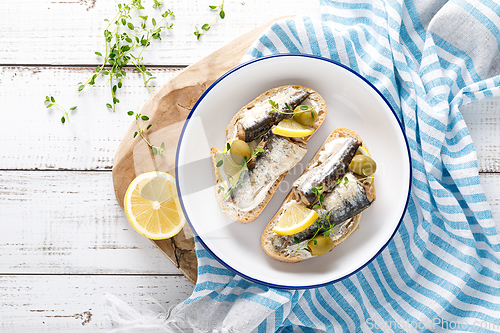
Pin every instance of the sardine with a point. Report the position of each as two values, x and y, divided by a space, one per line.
347 200
279 156
250 130
326 174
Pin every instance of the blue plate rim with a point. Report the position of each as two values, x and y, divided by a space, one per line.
179 190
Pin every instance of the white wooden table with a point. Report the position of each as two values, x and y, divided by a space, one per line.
64 241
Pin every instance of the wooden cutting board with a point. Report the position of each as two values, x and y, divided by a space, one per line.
167 110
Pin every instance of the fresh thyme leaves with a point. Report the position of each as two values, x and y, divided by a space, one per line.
257 151
157 4
50 101
288 110
346 180
244 167
126 47
205 27
155 149
276 108
320 222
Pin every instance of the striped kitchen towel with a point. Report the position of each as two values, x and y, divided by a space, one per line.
441 270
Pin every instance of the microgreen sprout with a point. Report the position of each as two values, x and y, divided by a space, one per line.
50 101
126 47
155 149
205 27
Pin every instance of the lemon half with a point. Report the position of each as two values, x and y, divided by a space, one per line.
152 206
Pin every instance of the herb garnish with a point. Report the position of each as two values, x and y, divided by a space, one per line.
204 28
138 116
318 191
50 101
121 44
302 109
244 166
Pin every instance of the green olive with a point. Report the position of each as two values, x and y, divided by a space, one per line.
305 115
240 149
363 165
320 244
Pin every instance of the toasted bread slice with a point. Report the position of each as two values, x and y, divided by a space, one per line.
314 99
269 236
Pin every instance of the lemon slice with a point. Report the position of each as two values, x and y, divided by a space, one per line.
292 129
294 219
363 151
152 205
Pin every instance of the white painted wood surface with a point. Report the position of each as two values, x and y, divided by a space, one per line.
64 241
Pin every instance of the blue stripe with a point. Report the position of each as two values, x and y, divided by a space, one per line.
301 316
262 328
276 28
331 311
448 227
485 21
344 305
268 44
293 29
311 35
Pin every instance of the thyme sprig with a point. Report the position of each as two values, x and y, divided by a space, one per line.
289 110
50 101
127 47
244 167
205 27
155 149
318 191
276 108
346 180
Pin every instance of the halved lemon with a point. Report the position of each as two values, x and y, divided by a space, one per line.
292 129
295 218
152 205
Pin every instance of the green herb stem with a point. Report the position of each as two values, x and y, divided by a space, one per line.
205 27
50 101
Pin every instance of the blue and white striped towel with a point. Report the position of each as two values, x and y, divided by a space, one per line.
441 271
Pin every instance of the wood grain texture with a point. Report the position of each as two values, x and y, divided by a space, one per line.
40 141
167 110
60 222
64 240
483 121
69 303
68 32
64 222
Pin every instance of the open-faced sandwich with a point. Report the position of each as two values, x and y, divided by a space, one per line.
326 202
264 140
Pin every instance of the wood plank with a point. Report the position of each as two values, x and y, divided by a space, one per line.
68 222
491 186
66 303
483 121
61 222
69 32
90 141
39 140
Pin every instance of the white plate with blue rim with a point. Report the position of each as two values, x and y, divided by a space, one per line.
353 103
